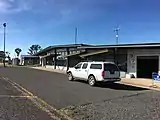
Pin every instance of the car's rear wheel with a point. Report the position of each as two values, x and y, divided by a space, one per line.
91 80
70 76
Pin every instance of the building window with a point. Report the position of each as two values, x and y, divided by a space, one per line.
123 66
74 51
62 53
70 52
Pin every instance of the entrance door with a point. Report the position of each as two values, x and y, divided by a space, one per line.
146 65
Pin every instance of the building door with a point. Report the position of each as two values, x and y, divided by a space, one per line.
146 65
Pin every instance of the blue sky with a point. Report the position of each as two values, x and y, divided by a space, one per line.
49 22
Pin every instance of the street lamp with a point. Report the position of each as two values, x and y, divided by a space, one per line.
4 26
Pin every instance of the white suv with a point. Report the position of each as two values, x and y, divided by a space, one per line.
95 72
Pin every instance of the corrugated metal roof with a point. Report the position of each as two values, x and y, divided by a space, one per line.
28 56
61 46
94 53
124 45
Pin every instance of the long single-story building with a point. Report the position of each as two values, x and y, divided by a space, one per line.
59 56
29 60
135 60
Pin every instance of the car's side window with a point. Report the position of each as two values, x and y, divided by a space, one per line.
84 65
96 66
78 66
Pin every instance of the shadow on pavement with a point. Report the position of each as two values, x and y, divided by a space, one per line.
116 86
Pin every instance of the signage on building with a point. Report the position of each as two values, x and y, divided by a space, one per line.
61 58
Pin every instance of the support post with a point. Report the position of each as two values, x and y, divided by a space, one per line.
67 61
55 58
115 56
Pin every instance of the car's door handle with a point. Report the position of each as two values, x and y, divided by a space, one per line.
85 70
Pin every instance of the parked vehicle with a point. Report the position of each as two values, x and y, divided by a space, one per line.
95 72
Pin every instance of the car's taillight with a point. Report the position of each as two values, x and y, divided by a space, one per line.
103 74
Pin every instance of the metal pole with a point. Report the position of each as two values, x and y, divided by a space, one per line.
115 50
4 25
76 36
117 35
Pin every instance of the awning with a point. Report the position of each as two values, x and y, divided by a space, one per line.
73 54
49 55
94 53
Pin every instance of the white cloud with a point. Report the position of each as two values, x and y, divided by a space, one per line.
4 6
13 6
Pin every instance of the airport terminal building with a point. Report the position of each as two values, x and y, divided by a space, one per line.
134 60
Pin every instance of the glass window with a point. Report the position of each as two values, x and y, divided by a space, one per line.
78 66
110 67
84 65
70 52
65 53
96 66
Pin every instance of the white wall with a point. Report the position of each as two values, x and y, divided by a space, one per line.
132 60
50 66
63 68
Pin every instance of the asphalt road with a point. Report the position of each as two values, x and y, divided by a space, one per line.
59 92
103 102
15 106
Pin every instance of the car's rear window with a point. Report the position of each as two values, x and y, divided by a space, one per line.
110 67
96 66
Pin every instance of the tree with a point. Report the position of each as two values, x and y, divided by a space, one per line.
8 56
34 49
2 54
18 51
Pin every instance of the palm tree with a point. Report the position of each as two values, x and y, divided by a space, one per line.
18 51
34 49
7 54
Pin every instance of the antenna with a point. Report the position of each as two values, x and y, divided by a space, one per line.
76 35
116 30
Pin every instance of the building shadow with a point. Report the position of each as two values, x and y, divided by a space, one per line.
115 86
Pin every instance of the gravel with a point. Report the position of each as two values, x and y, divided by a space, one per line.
143 106
15 106
7 89
20 109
